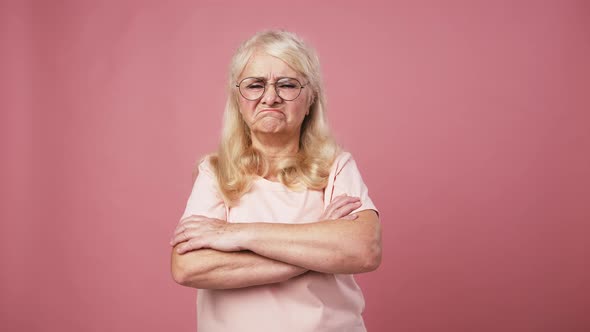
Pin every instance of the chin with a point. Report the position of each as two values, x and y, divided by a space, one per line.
269 128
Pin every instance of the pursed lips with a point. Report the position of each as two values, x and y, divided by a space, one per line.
271 110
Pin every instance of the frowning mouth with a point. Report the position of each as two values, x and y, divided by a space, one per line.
271 110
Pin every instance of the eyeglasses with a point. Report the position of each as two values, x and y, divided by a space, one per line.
252 88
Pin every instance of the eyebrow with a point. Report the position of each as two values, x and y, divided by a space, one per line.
264 78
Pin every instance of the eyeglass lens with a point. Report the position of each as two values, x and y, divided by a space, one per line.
253 88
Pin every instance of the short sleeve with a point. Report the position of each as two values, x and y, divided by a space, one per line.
345 178
205 198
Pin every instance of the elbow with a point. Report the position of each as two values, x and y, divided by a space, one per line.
371 258
187 277
364 258
182 272
191 269
371 251
179 274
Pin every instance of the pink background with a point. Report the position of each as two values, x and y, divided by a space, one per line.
469 121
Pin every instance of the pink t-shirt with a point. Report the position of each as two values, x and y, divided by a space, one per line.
312 301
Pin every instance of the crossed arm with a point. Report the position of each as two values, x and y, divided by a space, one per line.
214 254
213 269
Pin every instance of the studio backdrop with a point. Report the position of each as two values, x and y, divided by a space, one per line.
468 121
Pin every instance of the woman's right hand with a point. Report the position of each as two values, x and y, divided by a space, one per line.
341 207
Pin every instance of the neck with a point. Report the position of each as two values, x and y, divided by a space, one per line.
273 147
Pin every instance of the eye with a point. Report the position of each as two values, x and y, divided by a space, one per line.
255 86
287 86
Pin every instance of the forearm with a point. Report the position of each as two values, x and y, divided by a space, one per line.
212 269
333 246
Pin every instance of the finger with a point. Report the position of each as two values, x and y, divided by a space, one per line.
330 208
188 224
350 217
183 220
346 200
182 246
183 237
334 213
179 229
184 227
352 199
193 244
347 209
336 203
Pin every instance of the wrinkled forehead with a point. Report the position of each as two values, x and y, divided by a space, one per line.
267 67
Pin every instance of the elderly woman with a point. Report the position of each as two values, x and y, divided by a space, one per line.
279 218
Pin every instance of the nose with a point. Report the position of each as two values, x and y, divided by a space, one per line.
270 95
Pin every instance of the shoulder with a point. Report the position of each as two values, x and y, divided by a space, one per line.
205 165
342 159
208 161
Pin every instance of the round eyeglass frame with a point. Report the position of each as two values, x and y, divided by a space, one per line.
302 86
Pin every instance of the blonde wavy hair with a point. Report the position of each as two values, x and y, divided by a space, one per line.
236 163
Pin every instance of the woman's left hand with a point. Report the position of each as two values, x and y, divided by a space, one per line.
199 232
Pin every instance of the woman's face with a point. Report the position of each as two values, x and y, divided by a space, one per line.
270 114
